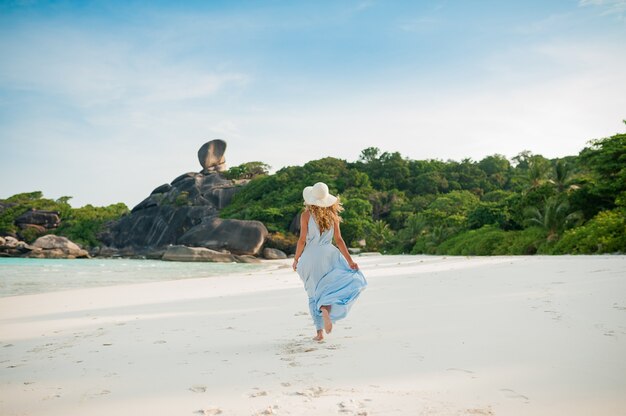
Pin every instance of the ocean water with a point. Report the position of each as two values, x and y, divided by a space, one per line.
19 276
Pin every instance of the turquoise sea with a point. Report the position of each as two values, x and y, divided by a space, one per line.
20 276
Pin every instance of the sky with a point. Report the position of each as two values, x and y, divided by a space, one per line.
106 100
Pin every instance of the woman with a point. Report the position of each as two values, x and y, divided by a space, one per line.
332 281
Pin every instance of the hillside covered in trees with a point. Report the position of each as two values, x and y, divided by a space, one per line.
81 225
527 205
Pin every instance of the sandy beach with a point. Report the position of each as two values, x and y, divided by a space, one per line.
430 336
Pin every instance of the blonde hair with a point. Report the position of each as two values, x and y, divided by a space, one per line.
325 217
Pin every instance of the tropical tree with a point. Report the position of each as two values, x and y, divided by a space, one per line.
563 177
247 170
554 216
378 235
531 171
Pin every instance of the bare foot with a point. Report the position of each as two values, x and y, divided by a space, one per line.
319 336
328 324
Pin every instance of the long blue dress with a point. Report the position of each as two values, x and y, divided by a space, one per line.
327 277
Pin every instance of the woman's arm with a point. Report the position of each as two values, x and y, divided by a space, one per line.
341 245
304 225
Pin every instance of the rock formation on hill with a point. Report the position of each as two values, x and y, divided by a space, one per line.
40 220
185 212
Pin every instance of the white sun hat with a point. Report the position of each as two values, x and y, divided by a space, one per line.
318 195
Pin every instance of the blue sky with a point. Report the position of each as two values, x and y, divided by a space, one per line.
106 100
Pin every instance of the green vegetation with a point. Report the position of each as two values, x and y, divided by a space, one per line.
526 205
247 170
80 225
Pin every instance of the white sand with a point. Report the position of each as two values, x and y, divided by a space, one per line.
430 336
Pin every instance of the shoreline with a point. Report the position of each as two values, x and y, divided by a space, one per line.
441 335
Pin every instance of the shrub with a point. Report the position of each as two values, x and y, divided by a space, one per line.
286 242
604 233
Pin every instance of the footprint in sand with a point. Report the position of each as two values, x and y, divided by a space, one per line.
462 370
160 341
311 392
482 412
512 394
257 393
198 388
51 396
352 407
209 412
270 410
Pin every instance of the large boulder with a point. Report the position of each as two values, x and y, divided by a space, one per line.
294 226
43 218
236 236
11 242
55 246
246 258
211 156
183 253
273 254
12 247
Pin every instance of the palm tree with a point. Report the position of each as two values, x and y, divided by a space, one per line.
563 177
533 172
538 169
379 234
554 217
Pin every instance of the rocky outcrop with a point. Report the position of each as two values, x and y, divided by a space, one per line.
185 212
211 156
43 219
247 259
48 246
56 247
12 247
183 253
236 236
294 226
273 254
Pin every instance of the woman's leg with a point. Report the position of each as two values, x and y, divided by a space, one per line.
317 320
328 324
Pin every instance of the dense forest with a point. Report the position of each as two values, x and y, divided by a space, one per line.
81 225
526 205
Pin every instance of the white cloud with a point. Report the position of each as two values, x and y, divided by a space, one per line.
94 71
616 7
